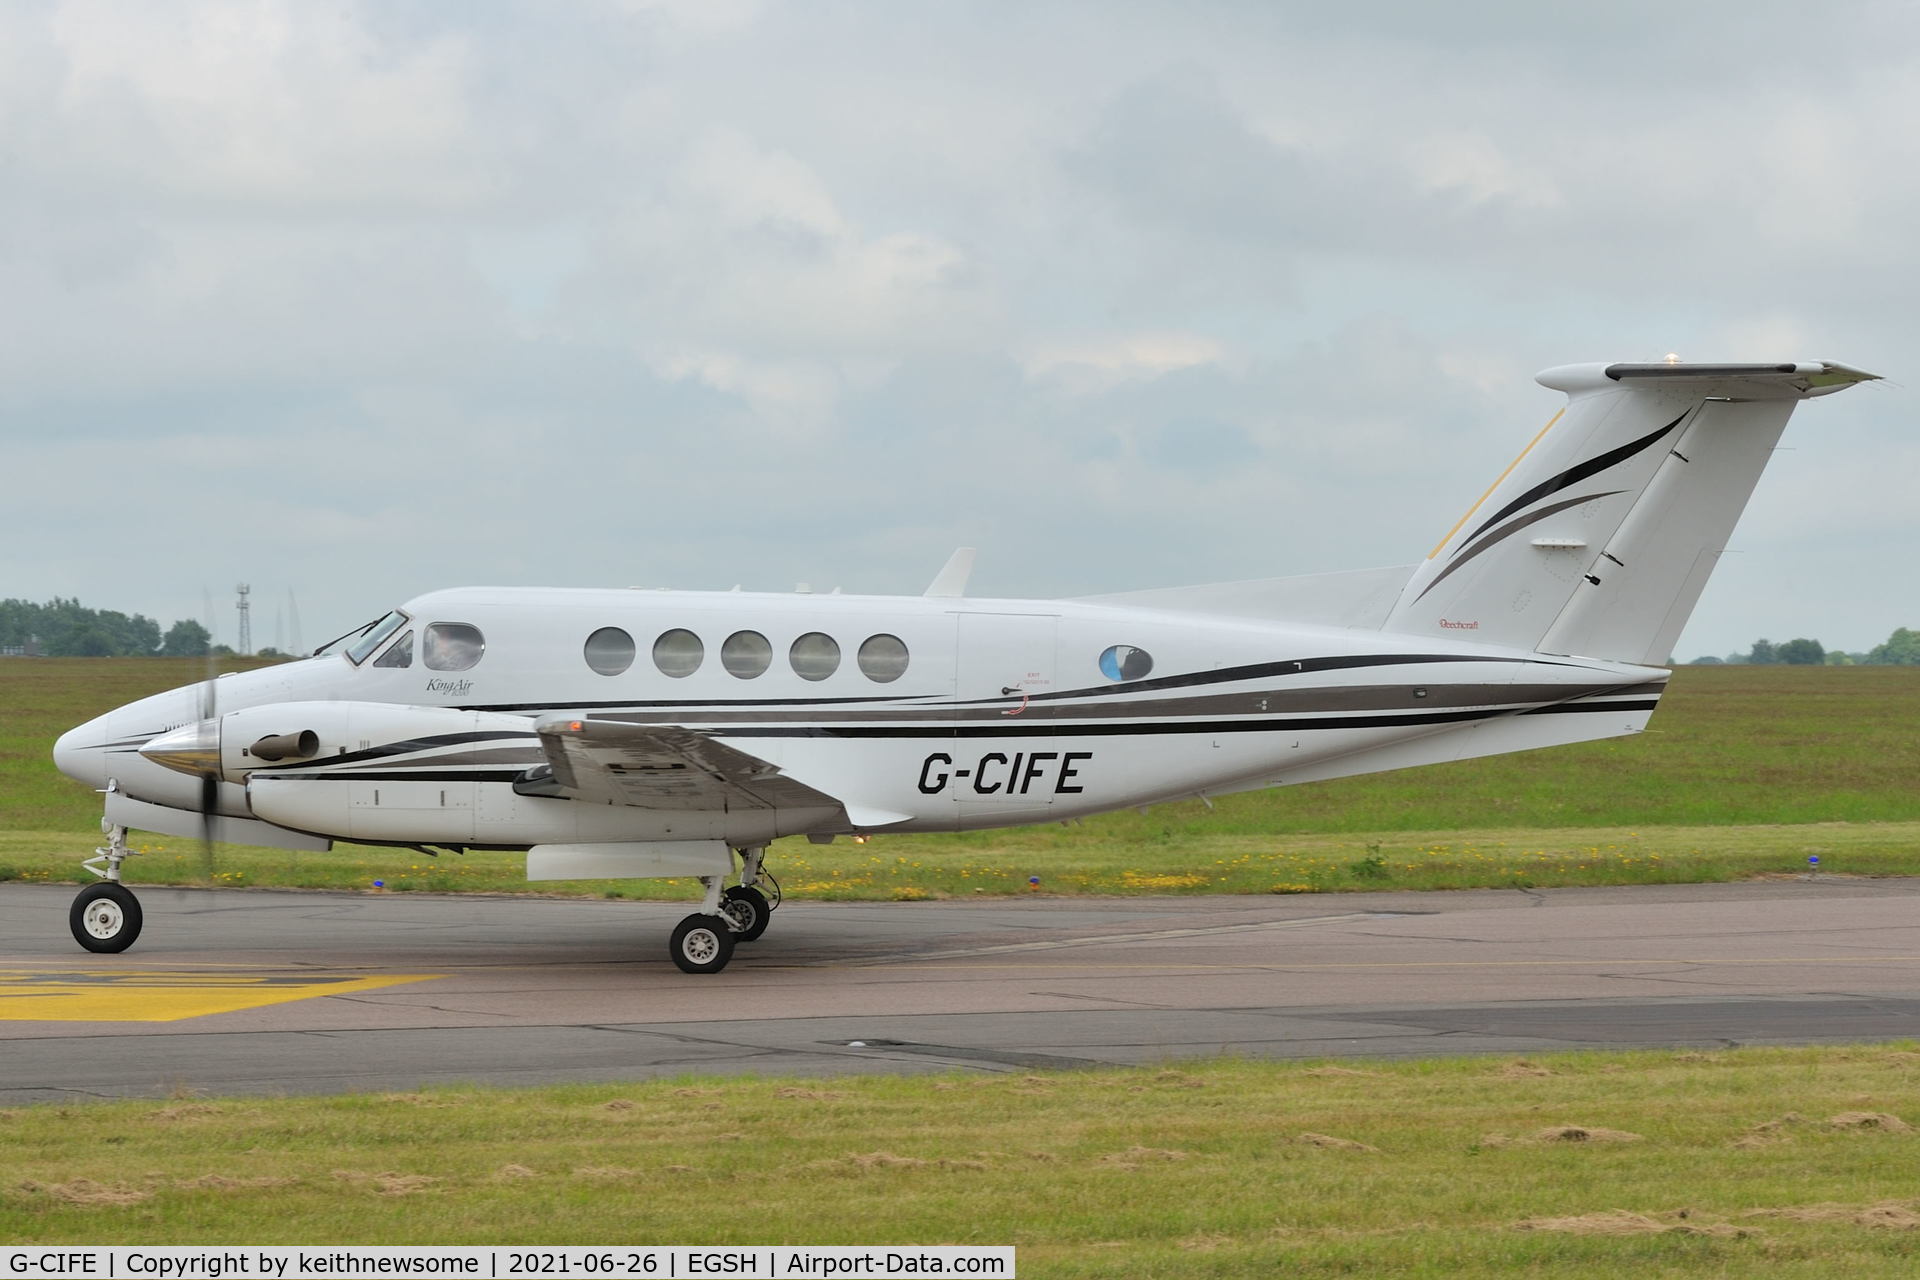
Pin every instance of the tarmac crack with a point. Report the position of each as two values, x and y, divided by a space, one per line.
413 1006
1110 1000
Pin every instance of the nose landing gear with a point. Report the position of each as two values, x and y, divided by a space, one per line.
106 916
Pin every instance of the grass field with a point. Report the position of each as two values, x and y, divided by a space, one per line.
1787 1162
1784 1162
1744 771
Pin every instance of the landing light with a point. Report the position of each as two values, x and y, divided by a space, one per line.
1672 358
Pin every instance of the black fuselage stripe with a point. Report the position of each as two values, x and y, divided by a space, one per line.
394 775
689 702
1575 474
1285 725
931 734
1222 675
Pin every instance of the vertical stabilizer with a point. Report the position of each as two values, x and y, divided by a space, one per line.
1598 539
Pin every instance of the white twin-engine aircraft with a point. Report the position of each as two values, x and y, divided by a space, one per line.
638 733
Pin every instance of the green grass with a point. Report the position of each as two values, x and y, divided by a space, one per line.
1079 861
1744 771
1206 1170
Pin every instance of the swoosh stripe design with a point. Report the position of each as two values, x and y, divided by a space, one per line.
691 702
1511 527
1574 475
405 747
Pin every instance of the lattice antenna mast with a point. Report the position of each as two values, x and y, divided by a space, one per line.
246 621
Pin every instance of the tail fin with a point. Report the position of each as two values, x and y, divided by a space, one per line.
1598 539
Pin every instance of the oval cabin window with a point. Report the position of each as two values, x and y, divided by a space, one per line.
1125 662
452 646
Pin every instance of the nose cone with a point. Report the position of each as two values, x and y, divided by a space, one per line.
79 754
192 748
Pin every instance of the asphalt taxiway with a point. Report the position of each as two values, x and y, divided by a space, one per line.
239 992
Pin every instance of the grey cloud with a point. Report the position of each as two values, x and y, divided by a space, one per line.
1126 295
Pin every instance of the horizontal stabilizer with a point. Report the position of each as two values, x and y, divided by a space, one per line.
1738 381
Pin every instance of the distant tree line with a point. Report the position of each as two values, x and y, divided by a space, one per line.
68 629
1902 649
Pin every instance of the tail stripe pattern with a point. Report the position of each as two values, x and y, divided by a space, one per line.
1574 475
1501 534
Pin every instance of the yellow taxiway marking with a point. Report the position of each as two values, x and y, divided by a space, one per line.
167 995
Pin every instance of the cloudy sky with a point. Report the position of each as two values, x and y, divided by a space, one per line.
355 300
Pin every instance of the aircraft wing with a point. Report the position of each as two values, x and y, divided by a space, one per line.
663 767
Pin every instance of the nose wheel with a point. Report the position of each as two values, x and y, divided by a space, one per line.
105 917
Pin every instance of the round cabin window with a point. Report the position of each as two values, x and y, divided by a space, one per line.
678 653
609 651
814 656
746 654
883 658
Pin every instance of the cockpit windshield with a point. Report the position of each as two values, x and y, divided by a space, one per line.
357 644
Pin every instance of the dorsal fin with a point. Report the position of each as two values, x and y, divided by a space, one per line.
951 582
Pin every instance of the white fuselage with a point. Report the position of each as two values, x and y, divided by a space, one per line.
1006 712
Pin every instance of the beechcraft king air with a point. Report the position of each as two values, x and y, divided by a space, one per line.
641 733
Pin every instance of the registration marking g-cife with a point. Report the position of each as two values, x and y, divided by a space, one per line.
569 1262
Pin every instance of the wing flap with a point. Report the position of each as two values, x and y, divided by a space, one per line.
664 767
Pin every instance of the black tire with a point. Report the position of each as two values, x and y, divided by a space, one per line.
105 917
748 910
702 944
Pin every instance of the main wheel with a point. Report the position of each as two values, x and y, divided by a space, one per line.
702 944
105 917
747 909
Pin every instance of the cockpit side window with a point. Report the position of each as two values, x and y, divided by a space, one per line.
400 655
368 638
453 646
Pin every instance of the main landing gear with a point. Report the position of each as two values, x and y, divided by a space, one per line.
106 916
704 941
